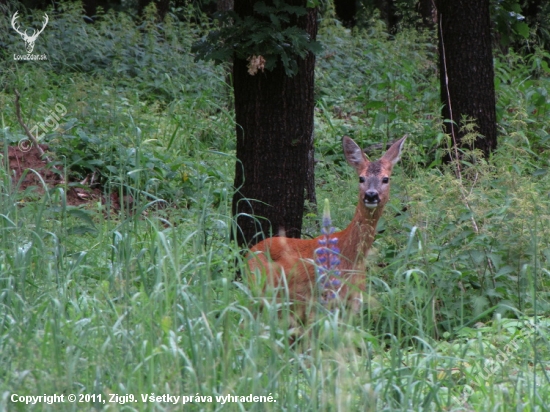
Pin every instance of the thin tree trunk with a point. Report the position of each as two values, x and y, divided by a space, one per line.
310 178
224 6
274 115
466 70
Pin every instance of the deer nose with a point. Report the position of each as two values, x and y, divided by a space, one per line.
371 196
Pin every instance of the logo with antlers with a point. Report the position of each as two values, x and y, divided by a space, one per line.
29 40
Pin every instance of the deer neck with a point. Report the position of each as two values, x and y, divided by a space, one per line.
356 240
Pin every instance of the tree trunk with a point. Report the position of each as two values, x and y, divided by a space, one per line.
426 10
346 11
224 6
466 70
274 115
388 13
310 177
531 10
536 16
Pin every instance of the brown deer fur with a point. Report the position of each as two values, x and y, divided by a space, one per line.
279 257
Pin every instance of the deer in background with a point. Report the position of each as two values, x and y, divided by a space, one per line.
279 257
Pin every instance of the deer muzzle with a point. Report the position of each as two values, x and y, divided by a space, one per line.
371 199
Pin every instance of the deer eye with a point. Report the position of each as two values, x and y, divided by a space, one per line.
361 179
385 180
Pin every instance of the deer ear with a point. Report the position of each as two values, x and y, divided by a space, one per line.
394 152
354 155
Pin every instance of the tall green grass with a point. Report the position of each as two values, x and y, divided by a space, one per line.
143 300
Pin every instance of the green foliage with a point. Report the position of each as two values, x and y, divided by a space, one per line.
95 302
509 21
143 73
271 32
470 243
153 58
518 24
524 25
384 89
541 25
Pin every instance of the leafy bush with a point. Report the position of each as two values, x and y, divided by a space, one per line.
472 242
376 90
119 70
152 56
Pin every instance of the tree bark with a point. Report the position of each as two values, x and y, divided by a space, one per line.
274 115
531 9
223 6
346 11
388 13
466 70
426 10
536 12
310 176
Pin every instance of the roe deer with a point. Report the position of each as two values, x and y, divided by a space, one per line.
294 258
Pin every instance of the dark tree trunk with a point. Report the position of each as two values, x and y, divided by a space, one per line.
531 9
223 6
346 11
426 10
466 69
274 115
536 14
388 13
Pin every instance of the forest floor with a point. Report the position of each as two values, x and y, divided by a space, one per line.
33 174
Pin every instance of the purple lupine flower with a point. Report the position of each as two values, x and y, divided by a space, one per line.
327 260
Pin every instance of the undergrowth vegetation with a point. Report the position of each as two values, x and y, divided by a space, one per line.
145 301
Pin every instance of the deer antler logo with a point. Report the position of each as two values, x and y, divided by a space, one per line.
29 40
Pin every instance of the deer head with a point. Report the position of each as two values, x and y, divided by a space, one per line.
29 40
374 177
